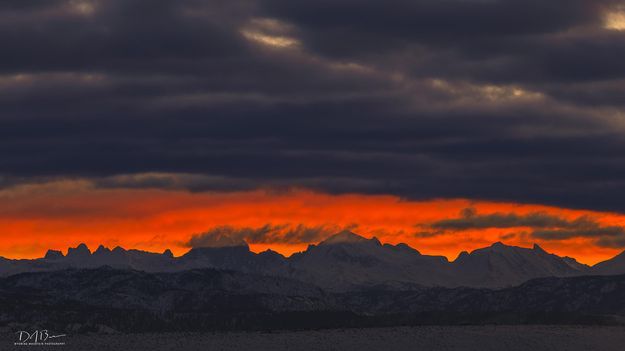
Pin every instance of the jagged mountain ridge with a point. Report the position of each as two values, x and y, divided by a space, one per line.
345 261
615 265
509 266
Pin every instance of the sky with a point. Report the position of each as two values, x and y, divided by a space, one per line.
445 124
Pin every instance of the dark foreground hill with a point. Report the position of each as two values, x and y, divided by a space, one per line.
106 299
439 338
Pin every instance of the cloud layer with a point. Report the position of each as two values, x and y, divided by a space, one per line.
543 226
504 100
267 234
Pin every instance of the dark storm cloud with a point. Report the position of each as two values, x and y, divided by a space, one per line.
266 234
471 220
499 40
605 236
593 231
432 19
543 226
220 237
611 242
504 100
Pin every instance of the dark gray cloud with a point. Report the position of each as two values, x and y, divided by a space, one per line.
612 242
502 99
219 237
267 234
543 226
499 40
438 22
592 231
508 236
470 219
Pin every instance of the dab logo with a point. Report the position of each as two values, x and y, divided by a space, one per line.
38 338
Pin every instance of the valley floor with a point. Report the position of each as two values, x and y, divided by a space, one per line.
482 338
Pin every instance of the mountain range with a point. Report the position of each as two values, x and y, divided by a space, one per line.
344 262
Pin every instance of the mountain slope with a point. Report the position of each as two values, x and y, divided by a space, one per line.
585 299
238 258
200 300
615 265
500 265
82 257
345 261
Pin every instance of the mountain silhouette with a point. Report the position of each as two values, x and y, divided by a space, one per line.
502 265
613 266
345 261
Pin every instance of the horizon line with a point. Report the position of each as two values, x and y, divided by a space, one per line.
65 253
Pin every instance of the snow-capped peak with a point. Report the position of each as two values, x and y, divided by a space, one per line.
346 237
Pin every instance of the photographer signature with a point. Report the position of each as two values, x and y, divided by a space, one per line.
37 337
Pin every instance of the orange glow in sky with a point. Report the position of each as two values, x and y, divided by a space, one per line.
57 215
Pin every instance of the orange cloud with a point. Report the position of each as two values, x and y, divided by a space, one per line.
56 215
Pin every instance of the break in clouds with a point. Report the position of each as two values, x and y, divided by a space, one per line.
515 100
